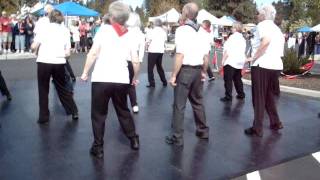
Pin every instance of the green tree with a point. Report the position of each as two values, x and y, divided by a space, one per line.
245 12
242 9
142 14
158 7
100 5
11 6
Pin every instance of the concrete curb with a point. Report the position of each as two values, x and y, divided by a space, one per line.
293 90
17 56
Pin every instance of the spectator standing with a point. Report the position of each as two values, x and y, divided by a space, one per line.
83 28
20 32
6 32
29 32
74 29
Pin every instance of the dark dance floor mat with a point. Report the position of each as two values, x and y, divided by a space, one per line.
60 150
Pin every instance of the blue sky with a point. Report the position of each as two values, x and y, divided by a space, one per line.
135 3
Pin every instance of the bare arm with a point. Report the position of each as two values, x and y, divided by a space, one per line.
176 68
136 67
261 49
91 58
224 57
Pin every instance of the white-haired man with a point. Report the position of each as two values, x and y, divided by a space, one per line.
189 69
110 77
265 71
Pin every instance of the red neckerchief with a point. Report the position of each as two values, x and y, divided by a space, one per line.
207 29
119 29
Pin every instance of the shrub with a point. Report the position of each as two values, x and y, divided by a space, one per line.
292 64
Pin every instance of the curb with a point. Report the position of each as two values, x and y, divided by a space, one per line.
17 56
293 90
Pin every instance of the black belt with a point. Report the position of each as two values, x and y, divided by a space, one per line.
194 67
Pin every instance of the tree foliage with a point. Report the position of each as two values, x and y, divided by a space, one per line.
158 7
242 10
100 5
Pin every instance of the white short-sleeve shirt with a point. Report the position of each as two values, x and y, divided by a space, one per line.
271 59
192 44
157 38
54 40
235 47
111 64
138 40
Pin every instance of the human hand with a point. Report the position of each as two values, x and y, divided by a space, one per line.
84 77
172 81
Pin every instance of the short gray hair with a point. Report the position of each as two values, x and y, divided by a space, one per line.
190 11
48 8
157 22
134 20
238 26
119 12
269 12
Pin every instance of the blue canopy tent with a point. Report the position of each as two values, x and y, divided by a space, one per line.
305 29
73 9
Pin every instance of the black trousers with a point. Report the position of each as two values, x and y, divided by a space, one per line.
70 71
265 90
230 75
209 71
57 72
132 89
155 59
3 87
189 86
101 93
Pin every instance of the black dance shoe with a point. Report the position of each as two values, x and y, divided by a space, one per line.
226 99
96 152
134 142
172 140
252 132
75 116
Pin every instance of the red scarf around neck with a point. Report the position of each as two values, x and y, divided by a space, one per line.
121 30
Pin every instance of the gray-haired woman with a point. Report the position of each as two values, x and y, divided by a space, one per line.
134 25
265 72
233 61
53 44
110 76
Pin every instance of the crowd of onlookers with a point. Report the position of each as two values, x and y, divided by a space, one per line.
17 33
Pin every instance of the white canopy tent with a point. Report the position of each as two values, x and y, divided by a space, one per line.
316 28
226 21
172 16
37 7
205 15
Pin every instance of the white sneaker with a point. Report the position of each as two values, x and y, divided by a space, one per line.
135 109
9 51
4 51
22 51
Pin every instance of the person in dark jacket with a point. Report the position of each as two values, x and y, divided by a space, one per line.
29 32
20 35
